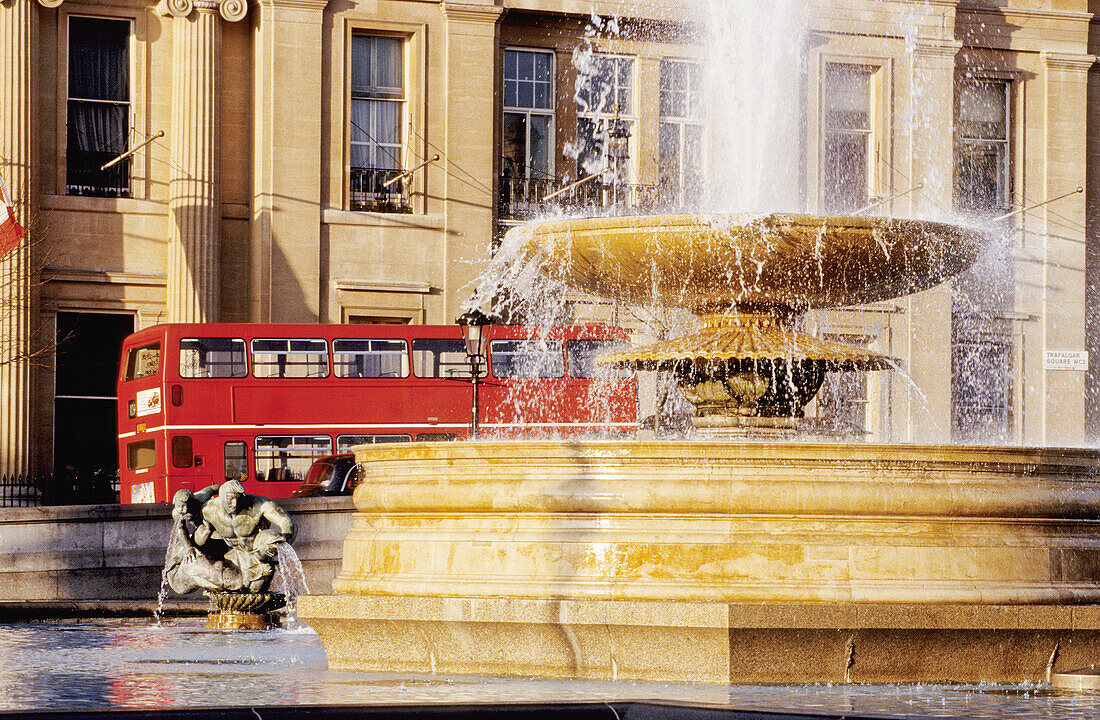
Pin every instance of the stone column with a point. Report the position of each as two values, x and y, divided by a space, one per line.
470 143
194 198
1062 305
18 164
285 234
932 159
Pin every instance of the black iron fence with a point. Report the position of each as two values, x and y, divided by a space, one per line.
525 198
378 190
64 488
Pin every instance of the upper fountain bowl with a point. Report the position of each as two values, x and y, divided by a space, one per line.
710 263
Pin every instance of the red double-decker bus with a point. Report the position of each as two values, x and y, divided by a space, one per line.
202 403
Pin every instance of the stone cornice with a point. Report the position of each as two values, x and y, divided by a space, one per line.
230 10
1067 61
1010 11
471 12
318 5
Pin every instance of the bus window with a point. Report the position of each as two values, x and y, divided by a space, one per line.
436 437
582 359
434 358
236 460
286 458
370 358
289 358
142 362
212 358
527 358
344 443
141 454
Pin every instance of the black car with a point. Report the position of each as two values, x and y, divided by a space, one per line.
330 475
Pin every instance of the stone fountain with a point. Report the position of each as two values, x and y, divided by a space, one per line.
749 370
719 561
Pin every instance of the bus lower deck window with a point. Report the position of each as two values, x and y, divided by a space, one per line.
141 454
344 443
236 460
286 458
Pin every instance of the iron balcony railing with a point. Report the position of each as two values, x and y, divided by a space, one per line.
525 198
380 190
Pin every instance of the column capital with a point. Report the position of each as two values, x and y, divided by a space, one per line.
230 10
1067 61
471 12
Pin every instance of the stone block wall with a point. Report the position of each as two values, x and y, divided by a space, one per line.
116 552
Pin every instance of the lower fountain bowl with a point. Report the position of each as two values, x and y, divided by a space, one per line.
720 562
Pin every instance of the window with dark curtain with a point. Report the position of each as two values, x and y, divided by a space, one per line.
99 107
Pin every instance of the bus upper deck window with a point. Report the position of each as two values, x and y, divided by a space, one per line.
439 357
212 358
527 358
142 362
582 356
370 358
289 358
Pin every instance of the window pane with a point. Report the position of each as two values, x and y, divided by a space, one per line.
141 454
983 110
434 358
542 67
344 443
981 178
289 358
515 145
511 93
511 64
142 362
388 68
542 96
370 358
287 458
212 358
845 172
540 146
582 356
527 358
236 461
99 62
847 97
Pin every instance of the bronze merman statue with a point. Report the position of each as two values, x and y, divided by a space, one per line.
226 543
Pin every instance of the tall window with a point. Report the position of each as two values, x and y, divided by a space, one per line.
680 132
982 378
98 107
981 146
377 127
605 88
847 141
528 114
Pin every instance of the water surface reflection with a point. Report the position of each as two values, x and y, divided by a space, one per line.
120 665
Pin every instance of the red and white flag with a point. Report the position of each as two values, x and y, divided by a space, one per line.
10 231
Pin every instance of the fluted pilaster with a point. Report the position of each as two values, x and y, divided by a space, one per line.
194 189
18 40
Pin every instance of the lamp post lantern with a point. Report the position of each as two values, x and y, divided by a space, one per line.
475 334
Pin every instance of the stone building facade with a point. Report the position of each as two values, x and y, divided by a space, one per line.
354 162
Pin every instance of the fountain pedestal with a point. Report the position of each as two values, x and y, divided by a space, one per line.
718 562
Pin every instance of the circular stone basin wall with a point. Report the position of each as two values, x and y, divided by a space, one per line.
726 522
719 562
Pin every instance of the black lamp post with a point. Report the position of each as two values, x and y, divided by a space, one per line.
475 334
